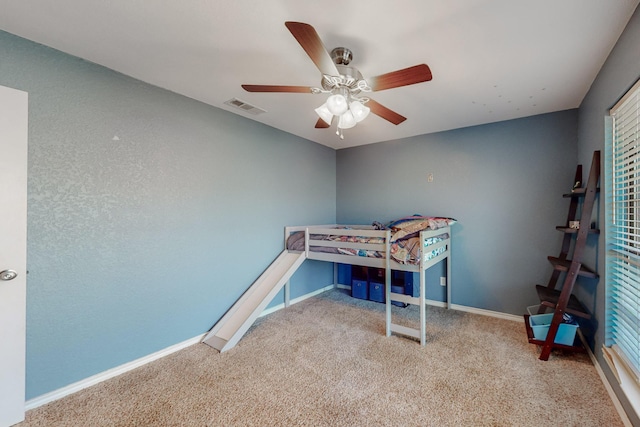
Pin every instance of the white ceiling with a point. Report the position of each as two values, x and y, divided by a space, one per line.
491 60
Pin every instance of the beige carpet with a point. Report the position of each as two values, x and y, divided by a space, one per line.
326 362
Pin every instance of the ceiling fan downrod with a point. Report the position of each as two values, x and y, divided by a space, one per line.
341 55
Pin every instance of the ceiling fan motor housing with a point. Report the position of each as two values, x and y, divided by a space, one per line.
349 76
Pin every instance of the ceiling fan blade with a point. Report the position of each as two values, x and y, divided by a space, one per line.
308 38
407 76
275 88
385 113
321 124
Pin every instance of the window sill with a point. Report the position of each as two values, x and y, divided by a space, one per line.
626 375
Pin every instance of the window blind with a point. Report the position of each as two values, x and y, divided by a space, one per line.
623 231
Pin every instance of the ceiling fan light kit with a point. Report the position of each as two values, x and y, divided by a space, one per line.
344 83
337 104
349 109
360 111
325 114
347 121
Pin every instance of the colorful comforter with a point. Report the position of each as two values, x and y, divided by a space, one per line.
405 240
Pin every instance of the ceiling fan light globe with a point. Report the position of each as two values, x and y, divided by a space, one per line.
337 104
324 114
360 111
347 121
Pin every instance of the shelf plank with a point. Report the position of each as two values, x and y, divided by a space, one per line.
575 230
564 265
549 298
579 192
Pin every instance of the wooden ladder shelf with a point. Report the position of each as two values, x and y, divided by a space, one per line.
562 300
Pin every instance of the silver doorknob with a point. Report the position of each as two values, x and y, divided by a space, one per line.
8 275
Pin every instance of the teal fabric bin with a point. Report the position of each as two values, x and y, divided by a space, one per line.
540 324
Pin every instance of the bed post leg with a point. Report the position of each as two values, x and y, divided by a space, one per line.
387 284
448 261
423 307
423 297
287 294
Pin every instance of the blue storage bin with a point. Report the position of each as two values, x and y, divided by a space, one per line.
359 289
540 324
398 290
404 278
376 292
344 274
413 289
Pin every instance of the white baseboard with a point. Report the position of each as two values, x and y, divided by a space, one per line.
435 303
429 301
614 398
490 313
603 378
108 374
118 370
459 307
296 300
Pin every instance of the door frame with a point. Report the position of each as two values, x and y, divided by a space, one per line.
13 253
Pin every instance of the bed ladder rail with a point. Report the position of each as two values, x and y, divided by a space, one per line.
233 325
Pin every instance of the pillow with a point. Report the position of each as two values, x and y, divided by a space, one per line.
399 223
295 242
407 227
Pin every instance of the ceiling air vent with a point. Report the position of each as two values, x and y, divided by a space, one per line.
236 103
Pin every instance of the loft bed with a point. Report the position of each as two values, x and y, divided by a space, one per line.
412 244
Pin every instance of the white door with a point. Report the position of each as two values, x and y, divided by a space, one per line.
13 253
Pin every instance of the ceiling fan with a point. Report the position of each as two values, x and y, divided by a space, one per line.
344 83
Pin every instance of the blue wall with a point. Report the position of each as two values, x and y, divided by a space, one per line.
138 244
503 182
618 74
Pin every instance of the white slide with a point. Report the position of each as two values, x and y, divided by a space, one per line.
233 325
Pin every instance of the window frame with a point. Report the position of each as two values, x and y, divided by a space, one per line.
621 349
